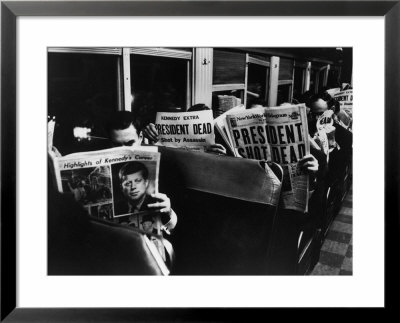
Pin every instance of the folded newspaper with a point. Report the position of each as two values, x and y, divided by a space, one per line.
221 125
280 135
191 130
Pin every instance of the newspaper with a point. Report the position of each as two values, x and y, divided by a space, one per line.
278 134
51 123
333 91
113 184
345 99
221 125
326 131
192 130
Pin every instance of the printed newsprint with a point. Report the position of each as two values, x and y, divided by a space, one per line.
221 125
278 134
325 135
191 130
345 99
333 91
51 123
114 185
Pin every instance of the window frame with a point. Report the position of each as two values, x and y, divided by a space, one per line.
128 52
123 68
258 62
118 51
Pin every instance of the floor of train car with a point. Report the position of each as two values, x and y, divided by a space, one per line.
336 257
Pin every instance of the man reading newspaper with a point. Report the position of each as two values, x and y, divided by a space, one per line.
119 185
341 145
123 131
280 135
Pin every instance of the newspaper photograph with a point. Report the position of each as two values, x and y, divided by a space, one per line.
193 130
114 184
280 135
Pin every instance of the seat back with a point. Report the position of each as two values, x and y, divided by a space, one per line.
226 208
78 245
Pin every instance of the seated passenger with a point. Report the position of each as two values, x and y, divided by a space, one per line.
340 154
341 116
123 131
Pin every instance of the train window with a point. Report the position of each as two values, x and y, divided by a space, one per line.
321 78
286 68
158 84
298 84
229 67
81 93
257 81
333 77
313 80
286 80
284 93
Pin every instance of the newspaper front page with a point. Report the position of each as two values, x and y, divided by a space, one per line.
345 99
192 130
280 135
114 185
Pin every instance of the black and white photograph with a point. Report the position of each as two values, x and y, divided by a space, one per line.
133 184
281 115
90 186
207 151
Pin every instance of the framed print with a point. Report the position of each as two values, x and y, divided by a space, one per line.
177 50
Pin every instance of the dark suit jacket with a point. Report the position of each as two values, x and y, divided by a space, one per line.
122 207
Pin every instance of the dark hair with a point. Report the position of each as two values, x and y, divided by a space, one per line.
335 106
198 107
120 120
306 98
259 101
147 217
133 167
331 102
321 95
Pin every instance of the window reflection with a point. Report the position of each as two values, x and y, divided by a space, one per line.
82 91
158 84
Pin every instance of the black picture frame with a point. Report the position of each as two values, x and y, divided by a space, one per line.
10 10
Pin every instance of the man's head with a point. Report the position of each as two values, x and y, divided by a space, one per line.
147 223
123 129
133 177
318 104
198 107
